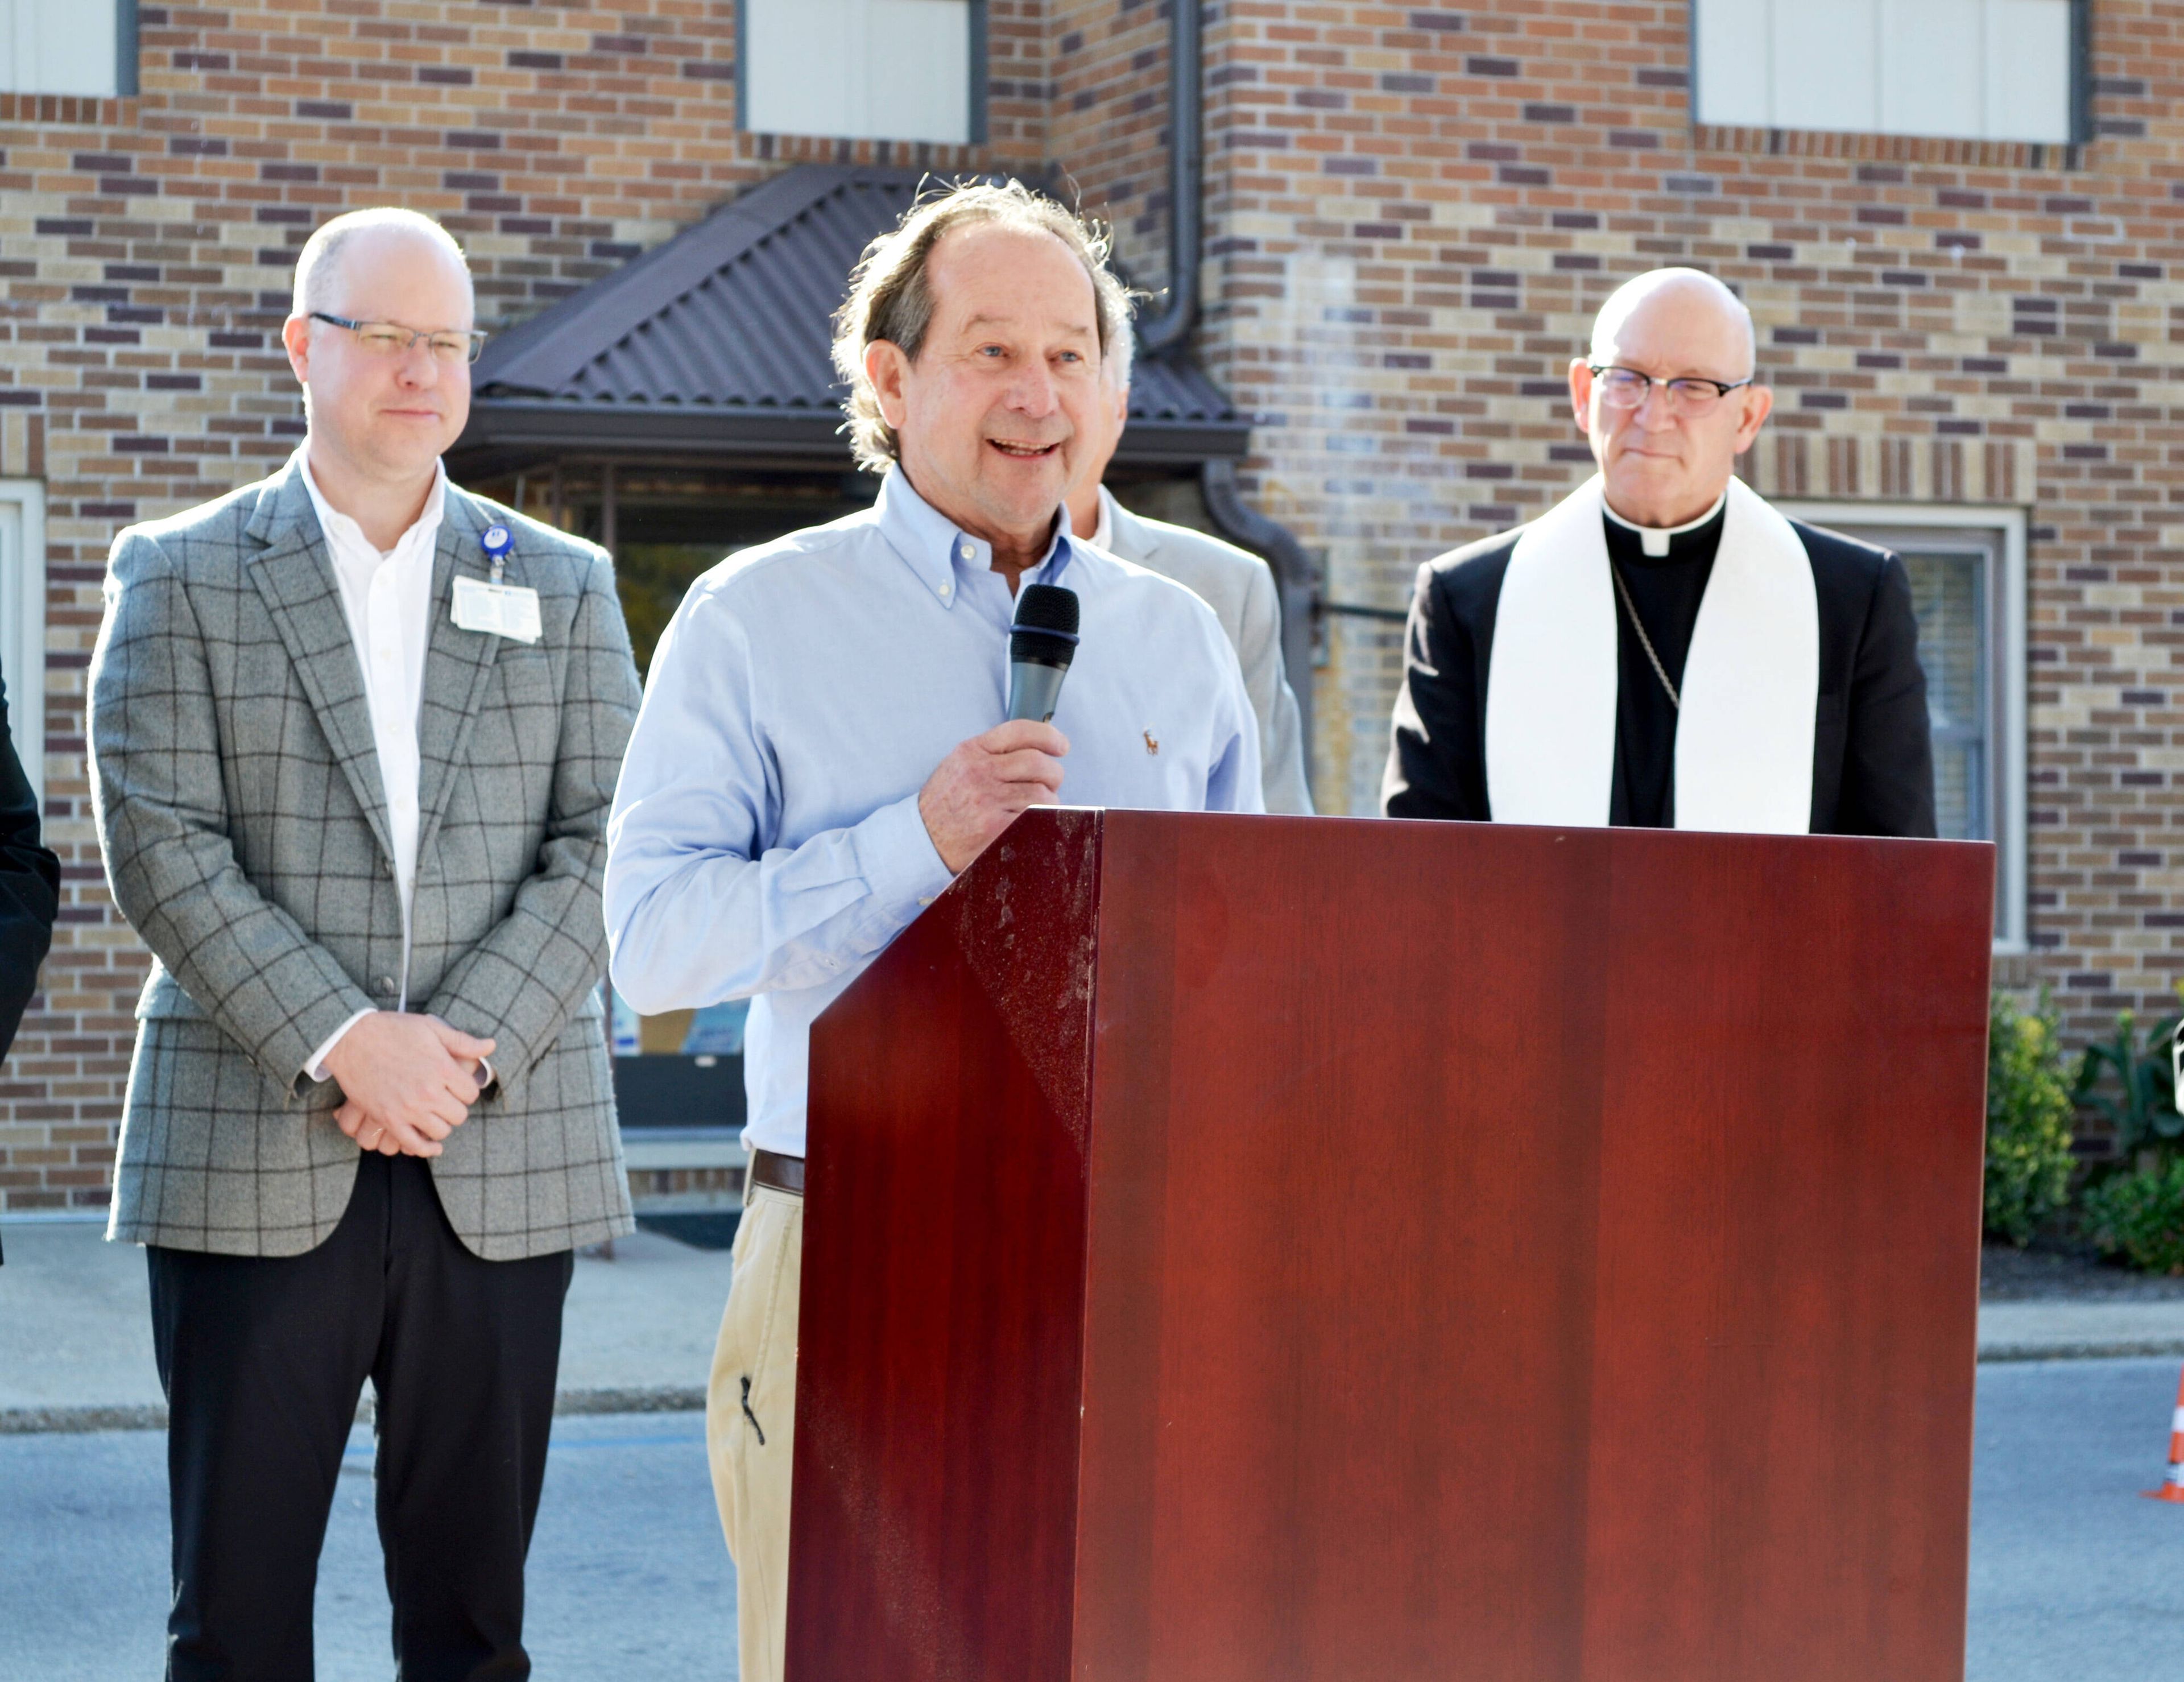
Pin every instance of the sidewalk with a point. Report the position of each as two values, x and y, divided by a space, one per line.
2063 1330
75 1340
76 1333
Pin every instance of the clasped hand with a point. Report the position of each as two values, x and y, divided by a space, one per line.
409 1081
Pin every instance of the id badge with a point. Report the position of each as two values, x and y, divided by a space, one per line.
510 610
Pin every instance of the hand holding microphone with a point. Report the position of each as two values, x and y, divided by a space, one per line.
985 783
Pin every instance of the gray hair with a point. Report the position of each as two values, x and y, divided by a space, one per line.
891 293
319 265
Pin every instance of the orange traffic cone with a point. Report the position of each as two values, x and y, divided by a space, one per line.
2172 1486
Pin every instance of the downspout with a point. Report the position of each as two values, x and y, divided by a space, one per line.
1165 334
1166 331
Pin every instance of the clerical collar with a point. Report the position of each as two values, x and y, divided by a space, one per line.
1654 541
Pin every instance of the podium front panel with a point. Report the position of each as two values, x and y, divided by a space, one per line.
1519 1255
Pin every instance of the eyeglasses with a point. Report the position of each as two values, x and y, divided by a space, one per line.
383 338
1626 388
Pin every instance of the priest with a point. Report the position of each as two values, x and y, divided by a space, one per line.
1661 648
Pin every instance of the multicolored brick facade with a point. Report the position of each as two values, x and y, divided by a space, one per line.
1410 215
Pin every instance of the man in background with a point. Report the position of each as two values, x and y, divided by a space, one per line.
1661 648
821 748
1235 583
29 888
354 733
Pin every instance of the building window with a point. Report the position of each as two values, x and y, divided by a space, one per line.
863 70
68 46
1960 69
1967 568
23 621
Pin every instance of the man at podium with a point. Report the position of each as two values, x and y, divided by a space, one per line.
1661 648
821 747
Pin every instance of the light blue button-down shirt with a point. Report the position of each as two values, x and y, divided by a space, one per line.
765 842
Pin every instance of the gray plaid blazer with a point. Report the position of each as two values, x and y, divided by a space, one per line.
239 803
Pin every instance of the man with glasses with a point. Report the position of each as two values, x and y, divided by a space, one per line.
1661 648
355 734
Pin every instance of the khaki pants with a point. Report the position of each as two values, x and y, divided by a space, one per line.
750 1422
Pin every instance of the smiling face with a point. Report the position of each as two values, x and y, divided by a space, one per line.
1663 469
377 418
995 413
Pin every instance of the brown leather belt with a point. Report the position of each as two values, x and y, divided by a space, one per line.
776 1173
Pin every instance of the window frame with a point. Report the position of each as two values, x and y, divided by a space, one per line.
23 627
2006 768
2081 85
975 129
125 56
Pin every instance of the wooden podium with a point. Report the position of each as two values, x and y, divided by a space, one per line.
1255 1249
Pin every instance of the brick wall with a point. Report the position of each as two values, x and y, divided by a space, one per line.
1411 214
146 245
1414 213
1108 130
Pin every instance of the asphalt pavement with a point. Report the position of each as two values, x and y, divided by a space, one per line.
629 1579
2073 1575
2076 1577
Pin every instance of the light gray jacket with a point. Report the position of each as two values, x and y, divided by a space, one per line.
1240 589
238 797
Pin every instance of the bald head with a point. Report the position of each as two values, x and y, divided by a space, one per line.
1685 314
360 241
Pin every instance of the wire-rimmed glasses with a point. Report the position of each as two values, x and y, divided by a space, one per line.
385 338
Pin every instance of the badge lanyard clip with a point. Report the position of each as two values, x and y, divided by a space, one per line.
496 540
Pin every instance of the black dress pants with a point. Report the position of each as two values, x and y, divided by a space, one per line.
263 1360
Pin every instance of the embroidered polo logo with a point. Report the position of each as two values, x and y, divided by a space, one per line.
1152 743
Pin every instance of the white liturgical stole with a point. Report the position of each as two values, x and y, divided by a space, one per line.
1752 680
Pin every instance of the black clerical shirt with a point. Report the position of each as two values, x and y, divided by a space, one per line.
1873 768
1666 590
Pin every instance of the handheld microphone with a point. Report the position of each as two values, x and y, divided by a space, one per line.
1041 642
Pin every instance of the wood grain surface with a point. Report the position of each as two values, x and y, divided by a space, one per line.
1428 1250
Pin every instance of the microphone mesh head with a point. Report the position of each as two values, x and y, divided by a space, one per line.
1047 607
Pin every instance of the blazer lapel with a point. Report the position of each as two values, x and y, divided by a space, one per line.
458 663
1134 539
294 575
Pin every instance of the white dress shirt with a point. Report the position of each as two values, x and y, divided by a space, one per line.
765 842
387 596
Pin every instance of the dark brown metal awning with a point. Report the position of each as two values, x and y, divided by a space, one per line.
715 347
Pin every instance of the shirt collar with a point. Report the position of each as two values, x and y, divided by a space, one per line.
1103 537
336 525
1656 541
934 546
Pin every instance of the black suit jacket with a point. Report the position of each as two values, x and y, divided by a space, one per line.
1872 756
30 888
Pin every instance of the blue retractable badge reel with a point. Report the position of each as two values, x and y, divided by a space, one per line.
496 540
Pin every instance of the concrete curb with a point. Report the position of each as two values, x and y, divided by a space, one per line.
2103 1349
644 1398
15 1422
654 1398
691 1398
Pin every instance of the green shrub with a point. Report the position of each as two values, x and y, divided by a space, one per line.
2140 1215
2028 1120
2130 1081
